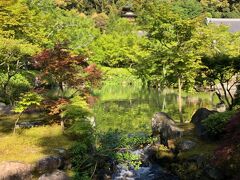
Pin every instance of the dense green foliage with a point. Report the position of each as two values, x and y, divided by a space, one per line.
188 8
216 123
174 53
119 76
76 113
14 56
26 101
120 46
112 141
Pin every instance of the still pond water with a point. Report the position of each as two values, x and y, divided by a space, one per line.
129 108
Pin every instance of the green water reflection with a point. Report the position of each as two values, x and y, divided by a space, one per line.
130 108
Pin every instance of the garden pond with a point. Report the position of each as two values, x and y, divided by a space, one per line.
130 108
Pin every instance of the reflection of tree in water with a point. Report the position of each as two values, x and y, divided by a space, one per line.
134 113
119 115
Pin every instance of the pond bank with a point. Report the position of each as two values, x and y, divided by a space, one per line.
159 162
138 156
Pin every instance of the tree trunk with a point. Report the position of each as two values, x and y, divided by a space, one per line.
62 125
164 104
232 99
225 95
102 6
5 89
231 96
14 129
219 97
180 99
61 88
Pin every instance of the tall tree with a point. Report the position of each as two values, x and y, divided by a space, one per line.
174 48
120 46
14 60
14 19
188 8
220 51
222 8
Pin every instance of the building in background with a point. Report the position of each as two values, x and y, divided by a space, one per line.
234 24
128 13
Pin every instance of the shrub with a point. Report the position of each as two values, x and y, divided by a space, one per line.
133 160
81 130
115 139
81 160
17 85
118 146
215 123
76 109
122 76
76 116
228 153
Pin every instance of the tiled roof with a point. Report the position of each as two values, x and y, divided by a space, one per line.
234 24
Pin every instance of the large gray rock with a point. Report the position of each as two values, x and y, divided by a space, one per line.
61 151
197 119
2 106
165 127
29 124
186 145
56 175
49 164
15 171
5 109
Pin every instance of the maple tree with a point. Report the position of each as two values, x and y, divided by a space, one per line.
61 68
26 100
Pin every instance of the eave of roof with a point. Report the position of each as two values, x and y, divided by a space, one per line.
234 24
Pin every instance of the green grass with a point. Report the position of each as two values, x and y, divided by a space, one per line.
30 145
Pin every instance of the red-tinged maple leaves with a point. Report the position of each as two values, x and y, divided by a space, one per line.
60 67
55 107
94 75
